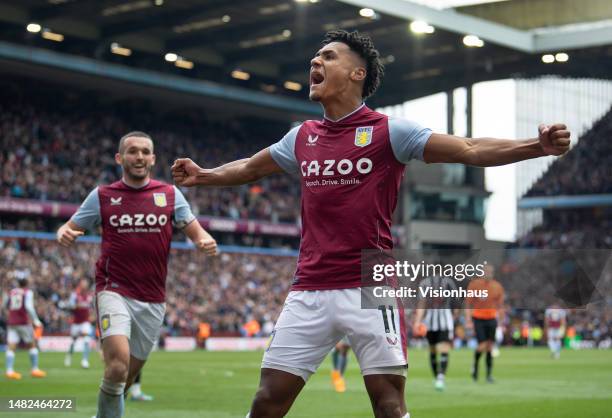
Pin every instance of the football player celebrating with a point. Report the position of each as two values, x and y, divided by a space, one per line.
136 214
351 164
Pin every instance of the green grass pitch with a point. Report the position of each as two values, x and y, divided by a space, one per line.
202 384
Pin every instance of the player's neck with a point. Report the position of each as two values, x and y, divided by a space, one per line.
135 183
336 109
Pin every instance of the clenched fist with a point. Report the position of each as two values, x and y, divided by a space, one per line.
554 139
185 171
208 246
66 236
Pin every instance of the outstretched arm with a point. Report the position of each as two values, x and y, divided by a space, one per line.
488 152
201 238
187 173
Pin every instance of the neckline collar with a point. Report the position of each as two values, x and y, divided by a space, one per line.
135 188
361 106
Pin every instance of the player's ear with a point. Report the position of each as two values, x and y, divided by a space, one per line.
153 159
358 74
118 159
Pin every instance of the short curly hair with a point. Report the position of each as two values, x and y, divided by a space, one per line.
363 46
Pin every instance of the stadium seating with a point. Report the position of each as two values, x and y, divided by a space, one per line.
224 291
59 151
585 169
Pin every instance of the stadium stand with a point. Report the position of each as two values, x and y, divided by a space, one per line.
567 175
225 291
585 170
58 146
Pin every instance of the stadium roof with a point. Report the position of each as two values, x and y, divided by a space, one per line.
265 45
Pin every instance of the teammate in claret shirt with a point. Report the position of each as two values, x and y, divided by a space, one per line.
350 165
137 214
555 321
80 303
21 317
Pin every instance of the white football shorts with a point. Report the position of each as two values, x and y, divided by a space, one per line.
15 333
140 321
313 321
79 330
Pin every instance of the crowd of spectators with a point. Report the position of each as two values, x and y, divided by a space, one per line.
225 291
228 291
574 228
586 169
60 148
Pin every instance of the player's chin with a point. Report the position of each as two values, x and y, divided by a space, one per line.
314 96
139 175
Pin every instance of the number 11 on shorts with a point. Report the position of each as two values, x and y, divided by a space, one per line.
383 311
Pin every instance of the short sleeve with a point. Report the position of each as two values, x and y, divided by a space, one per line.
408 139
283 152
182 212
88 215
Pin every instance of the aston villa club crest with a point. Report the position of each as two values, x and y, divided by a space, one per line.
105 322
363 136
160 199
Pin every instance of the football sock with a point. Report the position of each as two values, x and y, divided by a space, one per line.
443 362
110 400
433 361
135 389
34 358
10 361
342 361
86 342
476 360
335 355
489 363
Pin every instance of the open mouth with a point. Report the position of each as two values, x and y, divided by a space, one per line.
316 78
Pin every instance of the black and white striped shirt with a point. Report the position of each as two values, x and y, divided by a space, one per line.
438 311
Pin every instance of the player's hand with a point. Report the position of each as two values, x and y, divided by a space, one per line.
554 139
66 236
208 246
37 324
185 171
